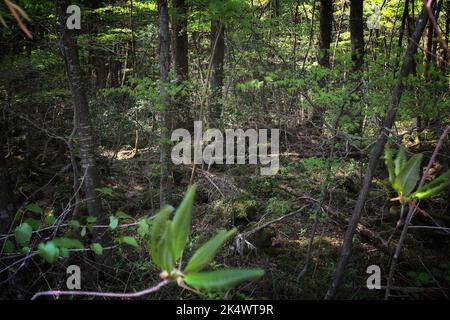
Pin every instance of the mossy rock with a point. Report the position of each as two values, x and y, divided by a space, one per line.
263 238
242 210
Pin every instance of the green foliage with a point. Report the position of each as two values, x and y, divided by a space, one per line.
406 175
168 240
23 233
97 248
221 279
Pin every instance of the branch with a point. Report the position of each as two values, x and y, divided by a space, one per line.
58 293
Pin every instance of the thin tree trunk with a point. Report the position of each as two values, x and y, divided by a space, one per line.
81 110
376 153
217 77
182 115
164 64
357 33
326 18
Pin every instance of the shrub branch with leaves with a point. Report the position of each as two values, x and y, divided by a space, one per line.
168 240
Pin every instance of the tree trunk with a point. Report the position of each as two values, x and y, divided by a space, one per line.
81 111
357 33
217 77
376 153
182 115
164 68
326 18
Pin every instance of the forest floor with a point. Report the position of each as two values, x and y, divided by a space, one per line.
239 196
273 236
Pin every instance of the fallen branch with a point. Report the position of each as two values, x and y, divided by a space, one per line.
57 293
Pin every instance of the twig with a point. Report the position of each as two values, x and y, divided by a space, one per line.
58 293
412 211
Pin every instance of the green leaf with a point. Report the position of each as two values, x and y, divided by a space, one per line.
143 228
181 225
23 233
97 248
35 224
113 222
105 191
49 220
91 219
129 241
221 279
83 232
157 229
400 160
64 252
49 251
74 224
165 252
206 253
407 179
34 208
9 246
25 250
389 163
432 188
68 243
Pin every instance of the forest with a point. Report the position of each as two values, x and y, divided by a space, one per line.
224 150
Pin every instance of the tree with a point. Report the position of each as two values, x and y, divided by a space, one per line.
376 153
357 33
81 114
180 54
164 68
326 18
217 77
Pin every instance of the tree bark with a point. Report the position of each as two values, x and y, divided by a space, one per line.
81 111
326 18
357 33
376 153
217 77
182 115
164 68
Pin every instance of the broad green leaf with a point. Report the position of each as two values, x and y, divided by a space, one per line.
49 251
389 163
105 191
97 248
23 233
49 220
165 245
25 250
206 253
221 279
74 224
143 228
407 179
155 235
68 243
35 224
9 246
181 225
129 241
32 207
400 160
113 222
64 252
432 188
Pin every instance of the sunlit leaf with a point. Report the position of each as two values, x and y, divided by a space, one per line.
206 253
221 279
407 179
23 233
181 225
